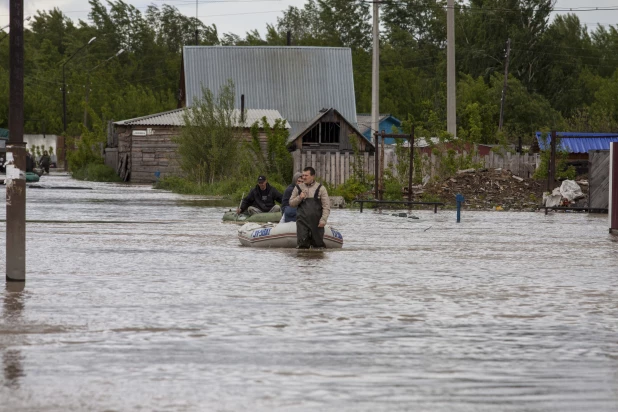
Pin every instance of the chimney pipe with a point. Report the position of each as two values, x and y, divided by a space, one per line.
242 108
289 41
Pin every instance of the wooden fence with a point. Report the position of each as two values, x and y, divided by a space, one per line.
333 167
599 179
337 167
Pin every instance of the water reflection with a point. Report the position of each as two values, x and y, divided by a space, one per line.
13 369
11 315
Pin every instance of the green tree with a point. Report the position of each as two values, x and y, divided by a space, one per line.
210 142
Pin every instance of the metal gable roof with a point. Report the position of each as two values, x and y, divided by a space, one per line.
574 142
296 81
174 118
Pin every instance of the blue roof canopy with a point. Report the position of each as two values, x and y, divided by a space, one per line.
575 142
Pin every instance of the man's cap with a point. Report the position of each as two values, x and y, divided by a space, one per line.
261 178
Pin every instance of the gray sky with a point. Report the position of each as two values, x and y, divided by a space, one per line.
240 16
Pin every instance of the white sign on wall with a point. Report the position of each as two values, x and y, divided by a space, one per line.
147 132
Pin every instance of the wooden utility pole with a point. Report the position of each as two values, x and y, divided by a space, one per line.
505 84
16 151
375 73
451 87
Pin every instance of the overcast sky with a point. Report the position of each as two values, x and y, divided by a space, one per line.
239 16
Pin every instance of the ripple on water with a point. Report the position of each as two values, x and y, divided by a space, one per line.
139 299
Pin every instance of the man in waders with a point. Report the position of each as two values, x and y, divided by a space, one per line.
313 207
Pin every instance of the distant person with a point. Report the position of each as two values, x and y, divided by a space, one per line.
289 212
29 162
2 168
313 209
261 199
45 161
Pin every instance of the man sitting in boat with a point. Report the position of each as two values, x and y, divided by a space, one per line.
313 205
289 212
261 199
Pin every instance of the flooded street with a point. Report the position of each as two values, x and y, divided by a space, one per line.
138 299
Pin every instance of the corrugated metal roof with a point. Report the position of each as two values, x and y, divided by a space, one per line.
574 142
174 118
296 81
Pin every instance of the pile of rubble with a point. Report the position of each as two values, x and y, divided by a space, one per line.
488 189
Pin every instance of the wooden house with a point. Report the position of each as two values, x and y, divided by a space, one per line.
143 149
330 144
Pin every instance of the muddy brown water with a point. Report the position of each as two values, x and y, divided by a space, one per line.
141 300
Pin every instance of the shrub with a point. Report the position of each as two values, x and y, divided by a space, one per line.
96 172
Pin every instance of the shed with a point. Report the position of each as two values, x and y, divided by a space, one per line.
325 143
296 81
388 123
577 145
143 146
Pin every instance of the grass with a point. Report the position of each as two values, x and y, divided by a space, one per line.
96 172
232 189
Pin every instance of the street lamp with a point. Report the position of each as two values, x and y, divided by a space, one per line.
64 100
88 84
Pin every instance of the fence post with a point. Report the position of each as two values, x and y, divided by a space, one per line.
377 165
613 188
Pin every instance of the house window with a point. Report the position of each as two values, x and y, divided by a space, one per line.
329 133
313 135
323 133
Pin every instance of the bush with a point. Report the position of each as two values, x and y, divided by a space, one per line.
352 189
96 172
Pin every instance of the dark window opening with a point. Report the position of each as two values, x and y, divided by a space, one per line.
313 135
330 133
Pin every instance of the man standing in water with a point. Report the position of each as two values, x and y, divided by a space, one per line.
313 208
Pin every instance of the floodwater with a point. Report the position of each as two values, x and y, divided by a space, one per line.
141 300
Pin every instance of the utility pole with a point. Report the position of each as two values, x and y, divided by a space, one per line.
16 151
504 85
375 73
197 40
451 91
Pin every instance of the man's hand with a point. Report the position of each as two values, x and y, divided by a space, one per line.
303 195
238 211
322 223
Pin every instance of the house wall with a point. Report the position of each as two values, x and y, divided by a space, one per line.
138 158
153 153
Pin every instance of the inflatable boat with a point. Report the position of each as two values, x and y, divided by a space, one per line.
232 217
282 235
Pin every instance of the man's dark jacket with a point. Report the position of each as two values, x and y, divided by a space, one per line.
263 200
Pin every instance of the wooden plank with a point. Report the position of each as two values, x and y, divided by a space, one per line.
313 161
297 161
341 178
599 179
333 172
347 165
325 166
